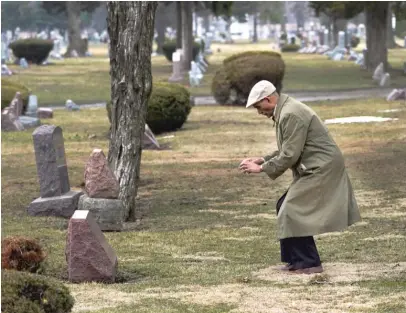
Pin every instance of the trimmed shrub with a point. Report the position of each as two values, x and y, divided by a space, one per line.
354 42
169 47
23 292
290 48
8 91
21 254
34 50
233 81
168 107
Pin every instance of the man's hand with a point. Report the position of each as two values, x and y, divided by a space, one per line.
255 160
250 167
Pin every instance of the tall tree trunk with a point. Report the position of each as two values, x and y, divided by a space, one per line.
178 25
131 31
255 35
160 27
187 34
335 32
74 36
390 36
376 14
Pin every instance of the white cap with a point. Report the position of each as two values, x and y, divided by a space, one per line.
261 90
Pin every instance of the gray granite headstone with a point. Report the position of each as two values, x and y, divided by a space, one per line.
177 67
32 106
53 174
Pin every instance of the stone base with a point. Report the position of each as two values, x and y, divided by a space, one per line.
63 206
108 213
29 122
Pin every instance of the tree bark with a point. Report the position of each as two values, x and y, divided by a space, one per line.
187 34
255 35
160 27
376 14
131 31
178 25
74 35
390 36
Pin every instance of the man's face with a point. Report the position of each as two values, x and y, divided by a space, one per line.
266 106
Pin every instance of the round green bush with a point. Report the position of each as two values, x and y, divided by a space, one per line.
169 47
34 50
240 72
8 91
168 107
23 292
290 48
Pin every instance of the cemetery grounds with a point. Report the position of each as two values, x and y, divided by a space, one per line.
207 242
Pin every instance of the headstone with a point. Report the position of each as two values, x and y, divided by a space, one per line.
149 141
378 73
195 75
341 39
109 214
32 106
397 94
337 56
100 181
71 106
74 54
177 67
404 43
5 70
385 81
45 113
29 122
56 198
9 121
23 63
17 104
326 41
88 254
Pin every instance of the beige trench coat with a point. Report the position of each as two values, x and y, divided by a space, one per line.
320 198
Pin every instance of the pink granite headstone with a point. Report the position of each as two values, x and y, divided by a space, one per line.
88 254
100 181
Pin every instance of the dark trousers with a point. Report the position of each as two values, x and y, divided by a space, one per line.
298 252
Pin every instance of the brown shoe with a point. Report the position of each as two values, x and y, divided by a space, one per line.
309 270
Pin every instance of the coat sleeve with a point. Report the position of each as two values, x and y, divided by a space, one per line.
270 156
294 134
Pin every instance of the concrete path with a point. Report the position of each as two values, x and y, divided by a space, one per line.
305 96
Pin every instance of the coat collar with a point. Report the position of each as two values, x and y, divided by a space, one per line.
282 99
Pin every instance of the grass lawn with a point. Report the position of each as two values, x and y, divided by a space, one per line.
87 80
207 242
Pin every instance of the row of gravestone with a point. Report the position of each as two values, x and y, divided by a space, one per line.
89 256
12 118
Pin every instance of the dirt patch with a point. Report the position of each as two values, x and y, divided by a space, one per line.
259 215
385 237
315 299
337 273
250 238
92 296
369 198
